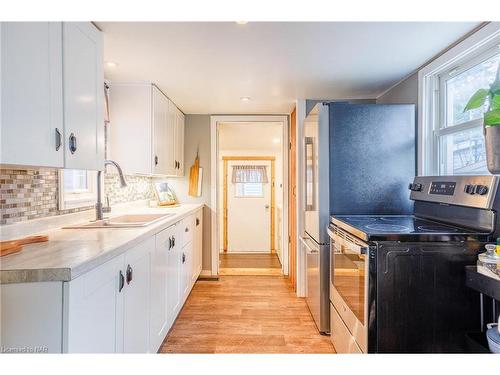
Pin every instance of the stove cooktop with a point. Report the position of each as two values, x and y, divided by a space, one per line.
400 227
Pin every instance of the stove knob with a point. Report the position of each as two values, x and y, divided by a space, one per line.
410 186
418 187
469 189
481 189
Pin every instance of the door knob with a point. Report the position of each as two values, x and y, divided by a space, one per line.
267 206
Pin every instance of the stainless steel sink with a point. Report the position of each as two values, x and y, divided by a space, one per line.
123 221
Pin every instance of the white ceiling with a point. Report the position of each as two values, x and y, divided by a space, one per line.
257 136
206 67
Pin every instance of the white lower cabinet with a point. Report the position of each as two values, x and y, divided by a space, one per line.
136 303
126 305
94 317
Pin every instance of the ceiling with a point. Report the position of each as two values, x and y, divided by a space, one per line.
206 67
255 136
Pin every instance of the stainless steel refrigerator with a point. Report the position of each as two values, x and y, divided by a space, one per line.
358 159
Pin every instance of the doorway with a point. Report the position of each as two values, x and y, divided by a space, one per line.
251 196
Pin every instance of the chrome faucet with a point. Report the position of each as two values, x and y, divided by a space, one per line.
123 183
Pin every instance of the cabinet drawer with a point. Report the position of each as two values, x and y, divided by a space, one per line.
341 338
187 230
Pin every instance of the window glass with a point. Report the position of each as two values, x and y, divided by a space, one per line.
249 189
463 152
459 89
75 181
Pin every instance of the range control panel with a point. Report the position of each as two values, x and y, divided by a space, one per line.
470 191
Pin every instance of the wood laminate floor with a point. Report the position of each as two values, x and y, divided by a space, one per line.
257 264
245 314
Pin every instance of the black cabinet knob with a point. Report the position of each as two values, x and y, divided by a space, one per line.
72 143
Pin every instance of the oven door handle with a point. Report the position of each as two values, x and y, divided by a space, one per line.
311 250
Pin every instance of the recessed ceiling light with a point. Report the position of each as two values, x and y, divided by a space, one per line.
111 64
241 22
276 140
245 98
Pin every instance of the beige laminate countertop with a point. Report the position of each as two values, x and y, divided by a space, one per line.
72 252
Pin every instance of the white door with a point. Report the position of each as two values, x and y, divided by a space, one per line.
197 245
248 211
83 81
95 309
31 94
159 317
174 276
187 270
137 298
163 135
179 141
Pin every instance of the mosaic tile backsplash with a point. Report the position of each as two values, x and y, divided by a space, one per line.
27 194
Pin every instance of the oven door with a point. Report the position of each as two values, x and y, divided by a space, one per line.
349 283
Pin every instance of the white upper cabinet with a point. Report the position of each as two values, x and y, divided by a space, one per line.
145 135
163 130
31 94
83 80
52 97
179 142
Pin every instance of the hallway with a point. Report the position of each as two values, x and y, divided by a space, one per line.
245 314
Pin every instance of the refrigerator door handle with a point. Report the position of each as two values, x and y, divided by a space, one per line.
309 173
310 250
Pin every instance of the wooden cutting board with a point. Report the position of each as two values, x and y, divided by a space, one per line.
193 177
14 246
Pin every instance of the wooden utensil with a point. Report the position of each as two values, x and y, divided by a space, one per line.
193 177
14 246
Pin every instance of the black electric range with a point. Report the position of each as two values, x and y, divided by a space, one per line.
402 228
397 282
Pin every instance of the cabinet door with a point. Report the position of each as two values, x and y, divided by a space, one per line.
173 277
83 81
163 140
197 245
159 261
31 94
187 270
179 141
94 318
137 298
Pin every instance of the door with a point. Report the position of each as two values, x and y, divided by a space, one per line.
31 95
197 245
187 270
83 80
159 262
248 211
179 142
292 200
95 309
173 276
137 298
311 215
162 140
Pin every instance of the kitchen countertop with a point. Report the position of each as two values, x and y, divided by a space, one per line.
71 252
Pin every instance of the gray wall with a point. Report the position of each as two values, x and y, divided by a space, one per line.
197 137
406 92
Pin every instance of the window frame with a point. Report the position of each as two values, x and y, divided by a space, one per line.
84 198
469 52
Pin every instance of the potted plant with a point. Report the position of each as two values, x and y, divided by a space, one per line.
491 121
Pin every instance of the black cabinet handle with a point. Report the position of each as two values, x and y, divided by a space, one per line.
58 139
169 243
183 258
186 230
121 283
72 143
129 274
197 221
173 241
156 160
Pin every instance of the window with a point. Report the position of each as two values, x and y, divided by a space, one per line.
249 180
77 188
249 190
460 139
451 141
